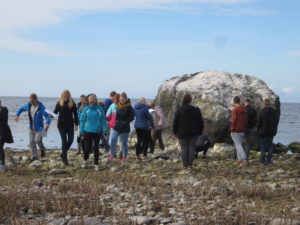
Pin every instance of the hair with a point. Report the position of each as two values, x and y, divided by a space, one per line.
236 100
248 101
117 99
112 94
33 96
267 102
123 94
142 100
151 104
61 99
82 96
187 99
94 96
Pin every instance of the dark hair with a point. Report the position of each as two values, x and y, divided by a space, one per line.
82 96
117 98
236 100
33 96
267 102
248 101
187 99
112 94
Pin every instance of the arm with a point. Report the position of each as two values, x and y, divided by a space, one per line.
109 113
103 121
233 120
131 115
82 121
175 123
75 113
4 116
57 107
201 124
20 110
259 119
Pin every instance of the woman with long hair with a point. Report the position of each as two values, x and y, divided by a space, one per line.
67 122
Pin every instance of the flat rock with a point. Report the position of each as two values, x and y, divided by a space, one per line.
57 171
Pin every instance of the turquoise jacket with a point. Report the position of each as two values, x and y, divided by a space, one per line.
93 120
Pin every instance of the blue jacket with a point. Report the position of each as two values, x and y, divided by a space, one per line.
93 120
143 118
36 121
107 103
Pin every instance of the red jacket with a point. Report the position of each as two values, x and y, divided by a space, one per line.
239 119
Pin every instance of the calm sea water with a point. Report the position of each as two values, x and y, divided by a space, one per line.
289 127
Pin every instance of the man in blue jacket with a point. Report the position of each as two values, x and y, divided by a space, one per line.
36 112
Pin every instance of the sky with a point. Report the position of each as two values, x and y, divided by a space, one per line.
96 46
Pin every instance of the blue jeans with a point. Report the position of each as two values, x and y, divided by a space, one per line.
266 145
238 139
114 140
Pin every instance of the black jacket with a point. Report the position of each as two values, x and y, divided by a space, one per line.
123 119
267 122
67 116
5 132
252 116
188 122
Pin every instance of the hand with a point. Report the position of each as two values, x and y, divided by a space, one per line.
75 128
17 118
46 127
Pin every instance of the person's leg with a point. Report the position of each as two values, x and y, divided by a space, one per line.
154 138
96 140
124 137
160 140
64 144
184 151
33 144
70 135
238 142
151 143
191 150
145 142
113 142
104 142
247 143
78 145
263 150
139 134
270 149
2 155
88 145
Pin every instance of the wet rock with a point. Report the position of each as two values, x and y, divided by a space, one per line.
294 147
280 148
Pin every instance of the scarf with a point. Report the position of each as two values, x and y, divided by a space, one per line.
124 106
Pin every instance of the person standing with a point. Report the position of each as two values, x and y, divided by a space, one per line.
187 127
142 126
67 122
239 124
80 142
124 116
250 132
92 126
5 134
159 123
36 114
267 124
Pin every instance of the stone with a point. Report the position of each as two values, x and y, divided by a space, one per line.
141 220
294 147
274 186
213 92
280 221
222 147
86 221
165 220
280 148
57 171
35 164
37 182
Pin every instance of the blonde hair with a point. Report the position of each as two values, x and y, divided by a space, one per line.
142 100
123 94
61 100
94 96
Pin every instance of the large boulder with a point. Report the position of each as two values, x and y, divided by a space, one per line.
213 92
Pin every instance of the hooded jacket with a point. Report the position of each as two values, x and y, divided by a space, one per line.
111 115
5 132
124 116
67 116
239 119
92 120
188 122
35 121
267 122
143 118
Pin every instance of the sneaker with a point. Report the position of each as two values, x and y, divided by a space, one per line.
43 153
123 160
242 163
83 165
96 168
110 156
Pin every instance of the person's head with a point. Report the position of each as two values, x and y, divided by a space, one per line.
117 99
82 99
112 95
66 98
93 99
123 98
33 98
267 102
248 101
151 105
142 100
237 100
187 99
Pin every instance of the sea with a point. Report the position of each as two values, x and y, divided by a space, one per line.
288 131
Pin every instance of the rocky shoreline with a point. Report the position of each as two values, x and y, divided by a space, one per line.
155 192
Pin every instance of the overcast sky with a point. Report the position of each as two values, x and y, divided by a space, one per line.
97 46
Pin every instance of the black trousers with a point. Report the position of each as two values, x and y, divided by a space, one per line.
2 155
143 141
92 141
67 138
157 135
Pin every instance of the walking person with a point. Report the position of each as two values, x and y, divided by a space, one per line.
5 134
67 122
80 141
251 129
143 123
239 124
36 114
187 127
160 123
92 126
267 123
124 116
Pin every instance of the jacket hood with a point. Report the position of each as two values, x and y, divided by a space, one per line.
268 109
242 109
139 106
189 108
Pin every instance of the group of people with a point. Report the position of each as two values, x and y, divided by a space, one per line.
108 123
